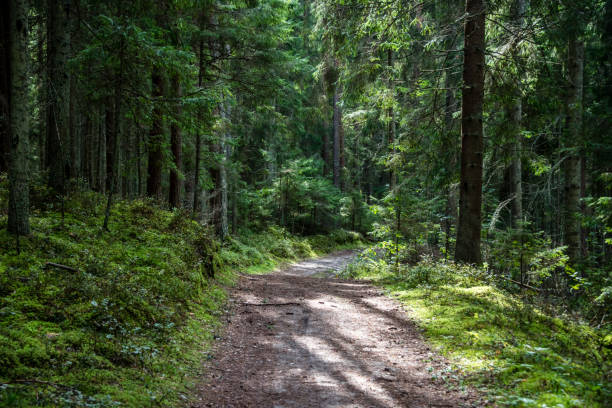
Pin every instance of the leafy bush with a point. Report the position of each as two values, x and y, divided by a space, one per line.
529 258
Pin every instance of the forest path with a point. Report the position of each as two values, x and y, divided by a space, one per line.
321 342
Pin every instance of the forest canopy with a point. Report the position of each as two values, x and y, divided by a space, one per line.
468 130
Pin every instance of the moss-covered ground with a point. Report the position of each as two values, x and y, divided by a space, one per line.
499 342
132 317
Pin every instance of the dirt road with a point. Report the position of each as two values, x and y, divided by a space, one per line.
299 338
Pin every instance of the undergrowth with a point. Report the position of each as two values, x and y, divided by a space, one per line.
261 252
511 349
130 319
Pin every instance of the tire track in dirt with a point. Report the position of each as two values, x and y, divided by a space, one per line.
340 344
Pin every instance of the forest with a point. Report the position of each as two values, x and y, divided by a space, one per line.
166 166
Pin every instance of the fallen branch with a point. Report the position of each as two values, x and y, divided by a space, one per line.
521 284
60 266
272 304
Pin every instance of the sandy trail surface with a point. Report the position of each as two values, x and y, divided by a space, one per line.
301 338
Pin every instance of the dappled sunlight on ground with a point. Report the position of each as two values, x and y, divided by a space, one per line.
299 341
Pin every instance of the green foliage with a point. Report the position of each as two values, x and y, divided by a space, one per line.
495 340
262 251
408 225
128 327
303 201
529 258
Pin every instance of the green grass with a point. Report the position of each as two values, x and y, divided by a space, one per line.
517 354
133 325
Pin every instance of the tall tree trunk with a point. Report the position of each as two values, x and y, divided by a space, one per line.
516 117
101 159
5 35
234 208
214 198
58 92
451 144
341 145
337 135
19 198
115 139
517 168
74 124
391 117
222 226
325 151
198 141
470 199
176 145
86 142
110 142
154 170
573 134
74 135
583 208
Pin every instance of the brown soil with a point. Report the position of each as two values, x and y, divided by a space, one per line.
296 340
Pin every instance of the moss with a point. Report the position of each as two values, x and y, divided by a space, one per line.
521 355
132 326
128 327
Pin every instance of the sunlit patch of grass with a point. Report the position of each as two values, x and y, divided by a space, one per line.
522 356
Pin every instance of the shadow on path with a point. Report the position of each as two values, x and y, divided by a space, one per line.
343 345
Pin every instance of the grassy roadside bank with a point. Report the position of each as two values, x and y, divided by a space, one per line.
129 314
516 353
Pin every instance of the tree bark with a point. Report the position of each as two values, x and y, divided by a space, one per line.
573 135
391 117
19 199
516 117
101 160
337 123
110 142
4 85
325 151
222 227
114 133
451 144
470 199
176 145
58 92
154 170
198 141
517 168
